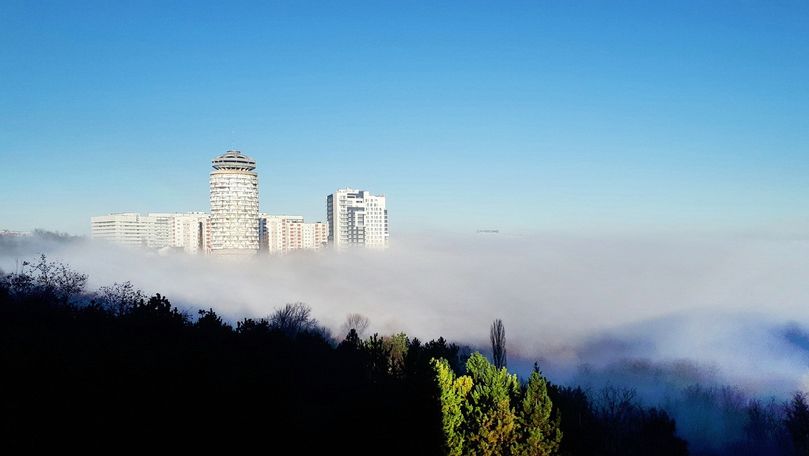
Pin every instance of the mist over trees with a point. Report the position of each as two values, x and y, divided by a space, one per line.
115 365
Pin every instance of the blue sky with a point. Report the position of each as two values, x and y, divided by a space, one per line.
523 116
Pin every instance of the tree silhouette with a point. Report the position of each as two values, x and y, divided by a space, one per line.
211 325
497 335
797 422
48 281
358 322
119 298
293 319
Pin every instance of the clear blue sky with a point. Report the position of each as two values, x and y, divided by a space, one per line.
523 116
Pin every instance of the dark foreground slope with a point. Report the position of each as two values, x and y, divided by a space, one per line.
114 371
150 374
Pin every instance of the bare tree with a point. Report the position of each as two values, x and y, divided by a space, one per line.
20 283
357 322
120 298
293 319
497 334
48 279
617 404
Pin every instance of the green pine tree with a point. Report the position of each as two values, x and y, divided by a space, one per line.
453 392
490 420
486 413
539 434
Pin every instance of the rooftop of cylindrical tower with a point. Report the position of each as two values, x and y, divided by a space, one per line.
234 160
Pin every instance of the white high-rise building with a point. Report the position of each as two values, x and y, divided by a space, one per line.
357 218
154 230
192 232
314 235
278 232
127 228
283 233
160 229
234 205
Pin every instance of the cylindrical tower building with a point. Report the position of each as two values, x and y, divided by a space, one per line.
234 204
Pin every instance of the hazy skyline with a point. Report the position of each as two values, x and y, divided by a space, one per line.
519 116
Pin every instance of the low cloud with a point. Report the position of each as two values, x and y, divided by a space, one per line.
683 310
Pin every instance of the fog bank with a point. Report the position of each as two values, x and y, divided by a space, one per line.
688 309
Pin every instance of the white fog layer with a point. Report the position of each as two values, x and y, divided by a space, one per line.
726 310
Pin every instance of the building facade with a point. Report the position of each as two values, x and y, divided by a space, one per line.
128 228
357 218
284 233
160 229
192 232
234 205
189 231
279 232
314 235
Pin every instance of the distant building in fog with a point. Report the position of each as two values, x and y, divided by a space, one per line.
234 204
357 218
234 225
14 234
126 228
160 229
284 233
189 231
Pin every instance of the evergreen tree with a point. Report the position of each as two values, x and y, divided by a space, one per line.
539 433
797 422
452 395
396 346
480 415
491 423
